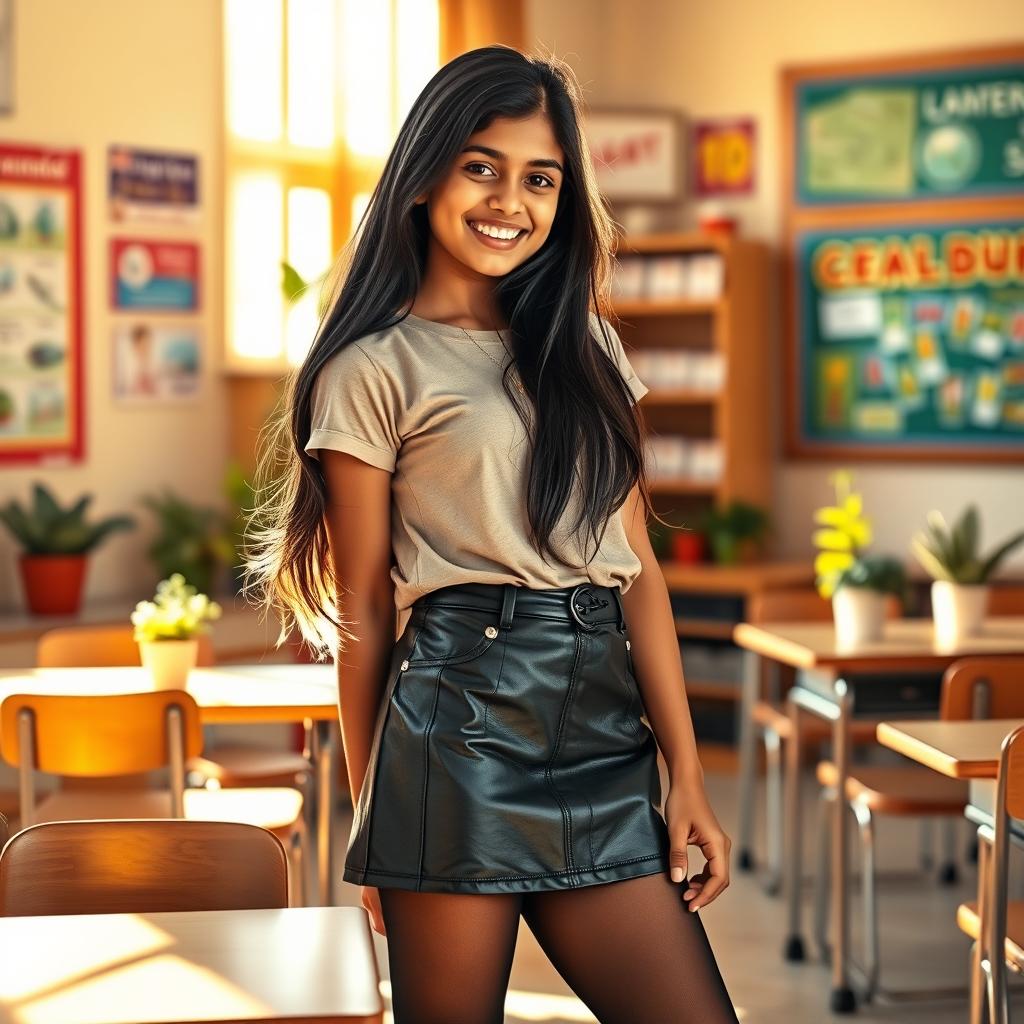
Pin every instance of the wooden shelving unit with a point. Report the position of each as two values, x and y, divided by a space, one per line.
736 325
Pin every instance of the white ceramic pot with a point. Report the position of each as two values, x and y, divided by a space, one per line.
169 661
958 610
859 614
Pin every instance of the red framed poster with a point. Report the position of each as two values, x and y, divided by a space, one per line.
41 360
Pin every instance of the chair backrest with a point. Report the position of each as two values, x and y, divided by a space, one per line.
1006 599
800 604
141 866
983 687
84 646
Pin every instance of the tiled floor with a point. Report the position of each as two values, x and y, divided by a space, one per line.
920 942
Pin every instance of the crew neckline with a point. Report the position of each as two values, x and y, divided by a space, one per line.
455 332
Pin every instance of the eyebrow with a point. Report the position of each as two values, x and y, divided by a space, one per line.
498 155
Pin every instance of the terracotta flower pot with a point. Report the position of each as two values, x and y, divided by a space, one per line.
53 583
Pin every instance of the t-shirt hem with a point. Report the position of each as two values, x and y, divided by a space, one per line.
337 441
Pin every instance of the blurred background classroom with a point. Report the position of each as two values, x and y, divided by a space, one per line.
820 278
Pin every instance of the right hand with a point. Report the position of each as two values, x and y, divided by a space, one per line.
370 899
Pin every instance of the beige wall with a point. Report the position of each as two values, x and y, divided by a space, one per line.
721 59
148 74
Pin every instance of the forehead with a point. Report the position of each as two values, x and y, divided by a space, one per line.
523 139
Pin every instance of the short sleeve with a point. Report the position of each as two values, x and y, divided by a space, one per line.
353 410
635 384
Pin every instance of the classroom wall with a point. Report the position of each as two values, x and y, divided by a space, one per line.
146 74
722 59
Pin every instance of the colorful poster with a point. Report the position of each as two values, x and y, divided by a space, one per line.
155 276
147 185
41 394
905 336
910 135
724 154
156 361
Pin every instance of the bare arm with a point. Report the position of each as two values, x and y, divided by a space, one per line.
358 518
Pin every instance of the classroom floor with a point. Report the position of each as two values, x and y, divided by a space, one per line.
921 945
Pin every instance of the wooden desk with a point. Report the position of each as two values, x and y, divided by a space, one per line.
231 694
300 964
907 645
961 750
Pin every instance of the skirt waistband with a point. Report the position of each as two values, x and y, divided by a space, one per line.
586 604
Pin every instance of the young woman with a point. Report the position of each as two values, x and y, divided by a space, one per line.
464 489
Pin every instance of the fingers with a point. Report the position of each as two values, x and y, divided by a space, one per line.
677 856
371 904
713 880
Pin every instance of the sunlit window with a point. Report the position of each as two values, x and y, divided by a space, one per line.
315 92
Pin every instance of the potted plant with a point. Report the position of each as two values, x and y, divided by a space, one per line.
858 584
731 528
167 630
191 540
56 543
960 573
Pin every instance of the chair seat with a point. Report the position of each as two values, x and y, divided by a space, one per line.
234 763
771 716
275 809
967 921
900 789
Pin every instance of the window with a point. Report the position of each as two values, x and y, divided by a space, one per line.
315 91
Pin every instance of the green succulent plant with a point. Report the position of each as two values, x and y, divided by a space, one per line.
952 554
876 572
726 525
46 528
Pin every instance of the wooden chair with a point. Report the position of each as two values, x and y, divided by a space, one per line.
230 764
97 737
141 866
797 604
1006 599
5 830
997 927
975 687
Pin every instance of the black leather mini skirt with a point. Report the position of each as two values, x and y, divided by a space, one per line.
509 754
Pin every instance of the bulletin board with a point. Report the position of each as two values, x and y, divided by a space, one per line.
903 206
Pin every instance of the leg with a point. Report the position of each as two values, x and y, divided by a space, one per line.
748 759
773 810
325 749
450 954
794 833
632 951
842 995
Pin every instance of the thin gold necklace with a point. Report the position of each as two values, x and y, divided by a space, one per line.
515 380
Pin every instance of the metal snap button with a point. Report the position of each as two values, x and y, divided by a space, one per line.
629 646
491 632
405 665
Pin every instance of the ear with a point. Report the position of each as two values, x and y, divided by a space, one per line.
421 199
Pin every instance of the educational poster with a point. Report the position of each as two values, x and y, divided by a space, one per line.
724 163
150 185
156 276
922 133
912 336
40 305
156 361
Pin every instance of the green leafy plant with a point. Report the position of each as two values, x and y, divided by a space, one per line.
191 539
952 554
46 528
876 572
726 526
178 611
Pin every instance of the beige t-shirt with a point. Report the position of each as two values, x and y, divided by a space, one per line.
424 402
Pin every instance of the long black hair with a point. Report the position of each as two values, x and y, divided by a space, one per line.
587 443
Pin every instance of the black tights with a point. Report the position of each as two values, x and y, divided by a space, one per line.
630 950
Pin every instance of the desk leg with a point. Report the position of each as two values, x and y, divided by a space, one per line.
325 748
793 879
748 758
978 991
843 1000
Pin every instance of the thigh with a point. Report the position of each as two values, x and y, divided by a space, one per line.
449 954
632 951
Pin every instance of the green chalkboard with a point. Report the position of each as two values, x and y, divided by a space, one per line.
916 134
911 337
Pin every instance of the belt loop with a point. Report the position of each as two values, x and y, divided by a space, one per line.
508 604
617 592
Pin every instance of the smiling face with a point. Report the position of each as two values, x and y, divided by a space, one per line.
508 174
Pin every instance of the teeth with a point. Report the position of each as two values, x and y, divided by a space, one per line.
486 229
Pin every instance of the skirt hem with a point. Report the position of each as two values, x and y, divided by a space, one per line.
572 879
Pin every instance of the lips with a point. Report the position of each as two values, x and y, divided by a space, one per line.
496 243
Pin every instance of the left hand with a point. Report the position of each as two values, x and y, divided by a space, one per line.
692 822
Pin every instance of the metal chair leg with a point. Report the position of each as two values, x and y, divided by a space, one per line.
948 872
927 837
773 810
821 874
867 836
